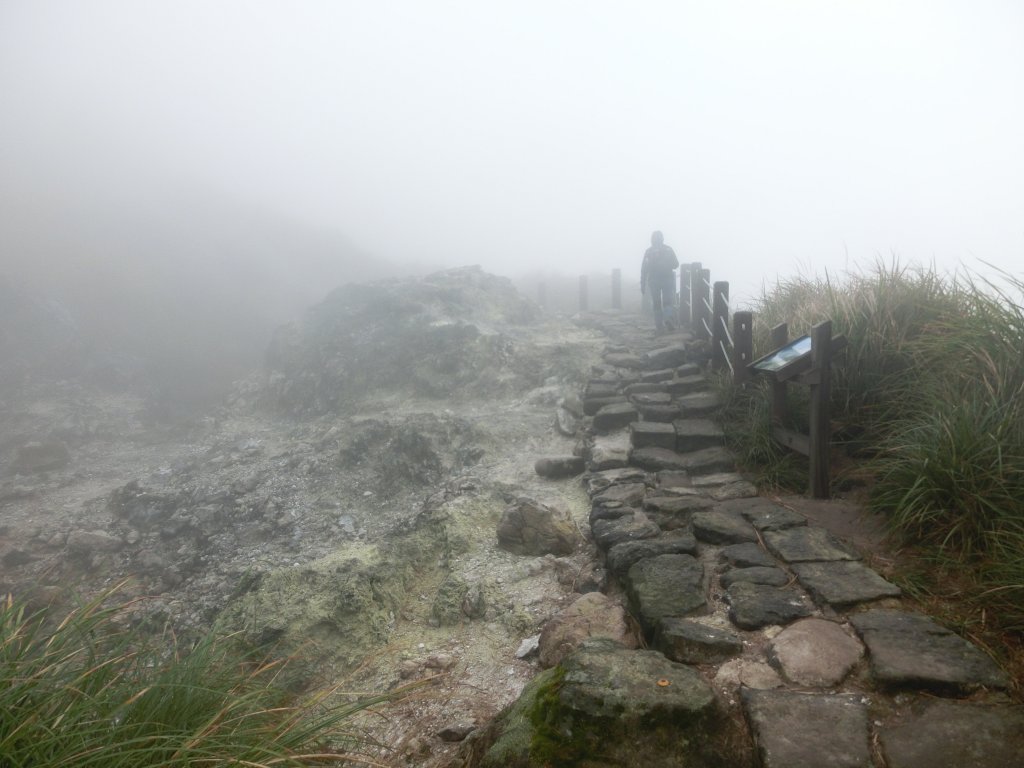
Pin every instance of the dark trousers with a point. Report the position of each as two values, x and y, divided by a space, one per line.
663 298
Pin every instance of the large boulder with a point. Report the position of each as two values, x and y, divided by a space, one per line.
531 528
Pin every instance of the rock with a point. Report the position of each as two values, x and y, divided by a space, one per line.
652 433
621 557
455 732
800 730
765 515
686 385
691 642
608 533
665 357
566 422
815 652
530 528
752 606
610 452
528 647
709 460
843 582
596 482
40 456
628 494
615 416
747 555
699 404
805 544
698 462
740 489
672 512
911 650
641 399
601 388
663 586
946 733
591 615
657 376
91 542
717 527
559 466
772 577
697 434
748 674
624 360
658 459
592 405
657 412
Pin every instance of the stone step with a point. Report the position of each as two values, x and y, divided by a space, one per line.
614 416
702 462
686 385
592 405
699 404
695 434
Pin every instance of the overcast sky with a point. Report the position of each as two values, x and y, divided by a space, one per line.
763 137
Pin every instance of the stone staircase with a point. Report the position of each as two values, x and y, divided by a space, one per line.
793 652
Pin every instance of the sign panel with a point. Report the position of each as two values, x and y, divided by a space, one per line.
783 356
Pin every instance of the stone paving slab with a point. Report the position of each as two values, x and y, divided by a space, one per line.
959 735
666 357
696 434
843 582
699 404
609 452
655 434
766 515
591 405
686 385
630 494
646 388
815 652
806 544
608 533
692 642
663 374
658 459
671 512
752 606
747 555
912 650
595 482
663 586
621 557
772 577
624 360
651 398
662 413
614 416
800 730
717 527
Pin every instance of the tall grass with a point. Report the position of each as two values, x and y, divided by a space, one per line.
932 389
85 692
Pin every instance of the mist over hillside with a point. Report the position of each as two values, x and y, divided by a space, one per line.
174 292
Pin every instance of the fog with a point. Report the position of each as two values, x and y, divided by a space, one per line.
269 150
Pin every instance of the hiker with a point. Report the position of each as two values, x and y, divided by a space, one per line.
658 273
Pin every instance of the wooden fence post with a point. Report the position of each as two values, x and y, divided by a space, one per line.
695 272
685 294
743 345
584 298
616 288
780 338
702 304
719 329
821 392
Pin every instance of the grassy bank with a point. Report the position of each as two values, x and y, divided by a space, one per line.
82 690
928 410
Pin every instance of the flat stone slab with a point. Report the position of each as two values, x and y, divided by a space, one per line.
752 606
815 652
666 357
806 544
663 586
699 404
614 416
609 452
747 555
646 388
656 434
717 527
601 388
843 582
709 461
686 385
591 405
658 459
801 730
662 413
595 482
629 494
663 374
741 489
911 650
624 360
772 577
697 434
671 512
766 515
651 398
692 642
608 533
622 557
946 733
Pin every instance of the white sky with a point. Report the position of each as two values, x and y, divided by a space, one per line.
763 137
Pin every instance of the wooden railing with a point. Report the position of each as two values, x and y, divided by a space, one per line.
704 306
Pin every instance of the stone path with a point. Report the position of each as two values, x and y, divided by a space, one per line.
826 663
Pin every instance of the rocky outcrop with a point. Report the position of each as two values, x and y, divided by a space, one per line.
531 528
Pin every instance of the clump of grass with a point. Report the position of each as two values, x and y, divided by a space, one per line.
85 692
932 389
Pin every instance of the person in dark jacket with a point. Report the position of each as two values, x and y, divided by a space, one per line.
658 273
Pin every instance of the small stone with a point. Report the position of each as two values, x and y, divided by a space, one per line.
455 732
692 642
528 647
815 652
557 467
